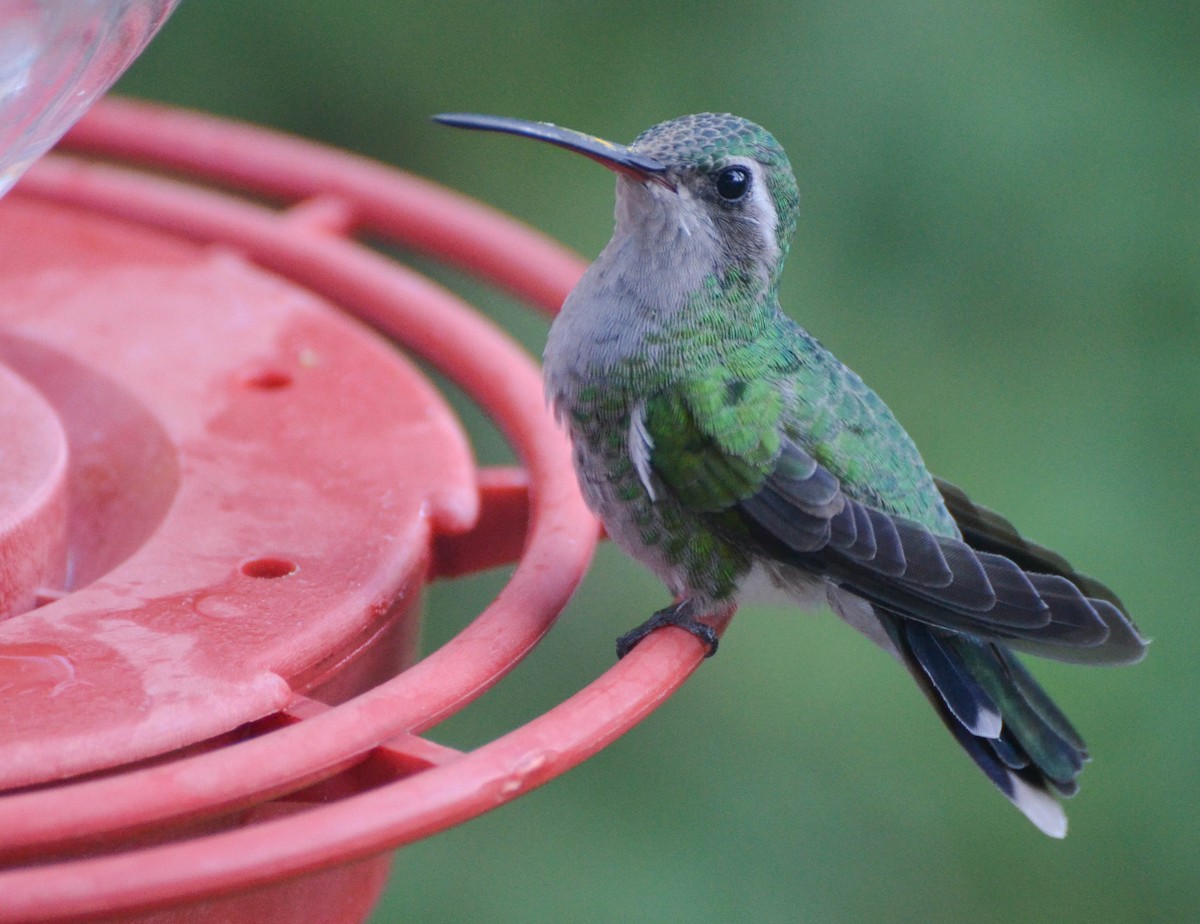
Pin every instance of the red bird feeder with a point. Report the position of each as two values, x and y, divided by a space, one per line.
221 495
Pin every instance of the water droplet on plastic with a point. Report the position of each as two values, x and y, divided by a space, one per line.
35 667
218 606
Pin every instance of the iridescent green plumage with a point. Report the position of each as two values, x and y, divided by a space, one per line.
724 447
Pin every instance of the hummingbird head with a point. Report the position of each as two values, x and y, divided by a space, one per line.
715 185
729 175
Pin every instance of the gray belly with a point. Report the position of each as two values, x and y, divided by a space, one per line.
632 520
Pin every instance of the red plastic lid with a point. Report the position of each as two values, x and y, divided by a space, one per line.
252 483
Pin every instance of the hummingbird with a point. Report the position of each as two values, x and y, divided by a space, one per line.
723 447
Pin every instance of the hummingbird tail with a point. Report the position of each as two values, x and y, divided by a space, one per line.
999 715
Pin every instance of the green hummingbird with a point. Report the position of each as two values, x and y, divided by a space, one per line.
724 448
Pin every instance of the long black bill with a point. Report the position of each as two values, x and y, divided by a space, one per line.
613 156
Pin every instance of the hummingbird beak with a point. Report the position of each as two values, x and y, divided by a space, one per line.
616 157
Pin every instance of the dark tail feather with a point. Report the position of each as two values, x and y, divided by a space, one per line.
999 715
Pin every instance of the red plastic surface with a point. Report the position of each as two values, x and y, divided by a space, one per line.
315 782
251 486
33 504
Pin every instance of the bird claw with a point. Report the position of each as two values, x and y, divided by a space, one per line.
680 615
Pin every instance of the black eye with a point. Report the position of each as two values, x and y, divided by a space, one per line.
732 183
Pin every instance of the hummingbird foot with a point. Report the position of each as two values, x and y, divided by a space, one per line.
679 614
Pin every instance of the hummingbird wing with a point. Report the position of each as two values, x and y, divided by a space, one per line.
988 531
733 463
943 581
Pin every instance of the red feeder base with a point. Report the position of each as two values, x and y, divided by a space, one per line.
220 498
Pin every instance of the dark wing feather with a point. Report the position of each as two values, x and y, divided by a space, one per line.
988 531
801 515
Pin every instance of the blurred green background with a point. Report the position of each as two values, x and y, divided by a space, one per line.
999 232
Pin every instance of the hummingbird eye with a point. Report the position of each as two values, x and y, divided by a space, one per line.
732 183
